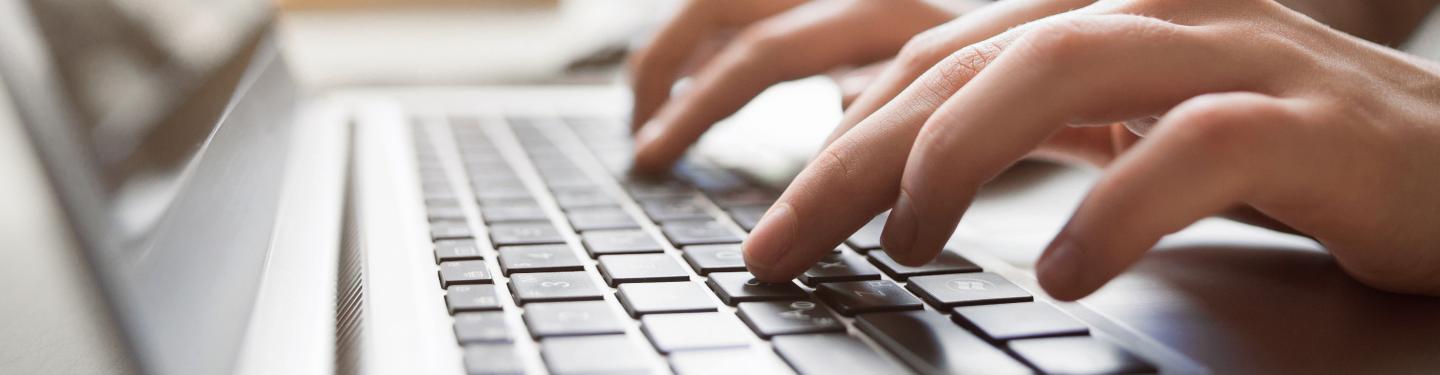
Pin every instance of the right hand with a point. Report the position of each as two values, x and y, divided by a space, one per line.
774 41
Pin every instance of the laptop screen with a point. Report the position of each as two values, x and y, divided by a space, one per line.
167 149
129 66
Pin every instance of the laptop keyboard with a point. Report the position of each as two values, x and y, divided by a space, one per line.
591 258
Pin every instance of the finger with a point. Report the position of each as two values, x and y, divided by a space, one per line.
804 41
656 67
926 49
854 81
1205 158
1132 66
858 175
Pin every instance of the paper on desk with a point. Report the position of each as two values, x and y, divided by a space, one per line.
775 135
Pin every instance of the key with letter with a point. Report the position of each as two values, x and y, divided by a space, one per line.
464 272
553 287
931 344
832 353
789 317
963 289
673 332
855 297
605 354
629 268
669 297
572 319
736 287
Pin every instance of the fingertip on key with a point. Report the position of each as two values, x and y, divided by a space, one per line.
650 154
898 238
773 236
1058 270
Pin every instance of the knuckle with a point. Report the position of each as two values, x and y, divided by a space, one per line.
1073 37
1059 38
969 61
957 68
758 43
833 165
920 52
1226 123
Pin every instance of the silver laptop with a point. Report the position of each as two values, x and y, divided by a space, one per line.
212 219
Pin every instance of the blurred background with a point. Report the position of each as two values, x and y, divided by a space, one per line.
451 42
142 73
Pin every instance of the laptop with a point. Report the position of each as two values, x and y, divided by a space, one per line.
226 222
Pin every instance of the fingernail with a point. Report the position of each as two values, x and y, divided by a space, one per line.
647 133
644 153
899 235
771 239
1059 269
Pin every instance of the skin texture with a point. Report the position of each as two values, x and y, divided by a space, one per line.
1263 113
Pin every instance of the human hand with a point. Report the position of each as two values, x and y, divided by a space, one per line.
774 41
1258 106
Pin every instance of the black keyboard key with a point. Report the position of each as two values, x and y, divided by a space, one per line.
748 361
839 267
483 172
868 237
947 262
686 233
524 234
744 197
629 268
833 353
449 230
431 189
464 272
503 193
674 209
526 201
600 218
607 354
665 298
789 317
471 298
648 190
607 242
931 344
554 287
715 258
440 213
1079 355
855 297
510 213
446 250
480 175
1009 321
747 216
736 287
483 326
567 180
553 162
492 359
583 197
675 332
964 289
442 201
539 258
572 319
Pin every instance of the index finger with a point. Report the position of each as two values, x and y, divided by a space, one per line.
857 176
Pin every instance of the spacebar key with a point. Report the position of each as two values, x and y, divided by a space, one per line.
931 344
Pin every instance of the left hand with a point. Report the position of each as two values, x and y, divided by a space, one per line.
1259 106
